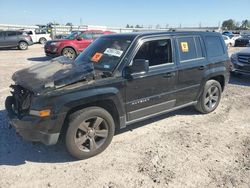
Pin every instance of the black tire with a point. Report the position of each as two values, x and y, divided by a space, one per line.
23 45
42 40
89 133
210 98
69 53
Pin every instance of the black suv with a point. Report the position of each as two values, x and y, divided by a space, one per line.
15 39
117 81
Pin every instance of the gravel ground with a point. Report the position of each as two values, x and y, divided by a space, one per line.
180 149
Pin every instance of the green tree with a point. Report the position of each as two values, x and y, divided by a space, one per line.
229 24
245 24
127 26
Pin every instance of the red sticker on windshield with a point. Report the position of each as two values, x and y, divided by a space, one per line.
96 58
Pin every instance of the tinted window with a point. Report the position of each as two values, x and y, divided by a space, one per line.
189 48
214 46
156 52
11 33
86 35
198 47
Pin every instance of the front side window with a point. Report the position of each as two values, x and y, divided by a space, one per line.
104 53
157 52
86 35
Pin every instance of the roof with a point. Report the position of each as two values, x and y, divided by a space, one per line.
148 34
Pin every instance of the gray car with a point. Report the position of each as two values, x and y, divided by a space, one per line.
10 39
241 62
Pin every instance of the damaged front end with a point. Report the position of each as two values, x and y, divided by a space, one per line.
57 73
19 103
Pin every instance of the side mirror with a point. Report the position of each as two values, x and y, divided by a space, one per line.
78 38
139 66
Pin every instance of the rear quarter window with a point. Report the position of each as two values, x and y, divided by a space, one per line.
214 46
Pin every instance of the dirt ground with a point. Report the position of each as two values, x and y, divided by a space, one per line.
180 149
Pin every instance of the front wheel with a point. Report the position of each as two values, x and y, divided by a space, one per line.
23 46
69 53
90 132
210 98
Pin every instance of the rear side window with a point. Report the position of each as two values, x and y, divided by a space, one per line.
189 48
11 33
214 46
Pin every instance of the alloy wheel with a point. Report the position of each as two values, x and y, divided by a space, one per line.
212 97
91 134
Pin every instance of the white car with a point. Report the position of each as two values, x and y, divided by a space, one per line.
38 36
235 37
229 42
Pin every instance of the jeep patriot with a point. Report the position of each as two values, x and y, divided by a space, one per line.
118 80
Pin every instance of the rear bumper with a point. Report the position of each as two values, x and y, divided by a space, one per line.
34 128
30 43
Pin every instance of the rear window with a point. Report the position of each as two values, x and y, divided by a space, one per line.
189 48
214 46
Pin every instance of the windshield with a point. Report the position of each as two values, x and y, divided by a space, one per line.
104 53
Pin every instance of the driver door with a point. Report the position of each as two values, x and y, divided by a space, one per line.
84 41
151 93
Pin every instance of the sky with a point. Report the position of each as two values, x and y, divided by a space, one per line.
187 13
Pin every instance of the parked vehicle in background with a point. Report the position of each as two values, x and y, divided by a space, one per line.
10 39
74 44
227 33
38 36
235 37
243 41
229 42
118 80
241 62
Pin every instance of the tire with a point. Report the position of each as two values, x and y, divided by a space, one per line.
89 133
42 40
69 53
210 98
23 45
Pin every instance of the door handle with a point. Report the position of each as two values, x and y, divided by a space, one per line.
169 75
201 67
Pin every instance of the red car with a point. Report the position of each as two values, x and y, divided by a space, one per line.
74 44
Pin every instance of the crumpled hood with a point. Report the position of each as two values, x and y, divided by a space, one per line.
53 74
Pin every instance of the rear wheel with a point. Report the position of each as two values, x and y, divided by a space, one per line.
69 52
210 98
42 40
90 132
23 45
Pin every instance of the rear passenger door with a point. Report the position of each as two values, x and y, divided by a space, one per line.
2 40
191 67
11 38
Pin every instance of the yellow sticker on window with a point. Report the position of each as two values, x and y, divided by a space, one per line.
184 47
